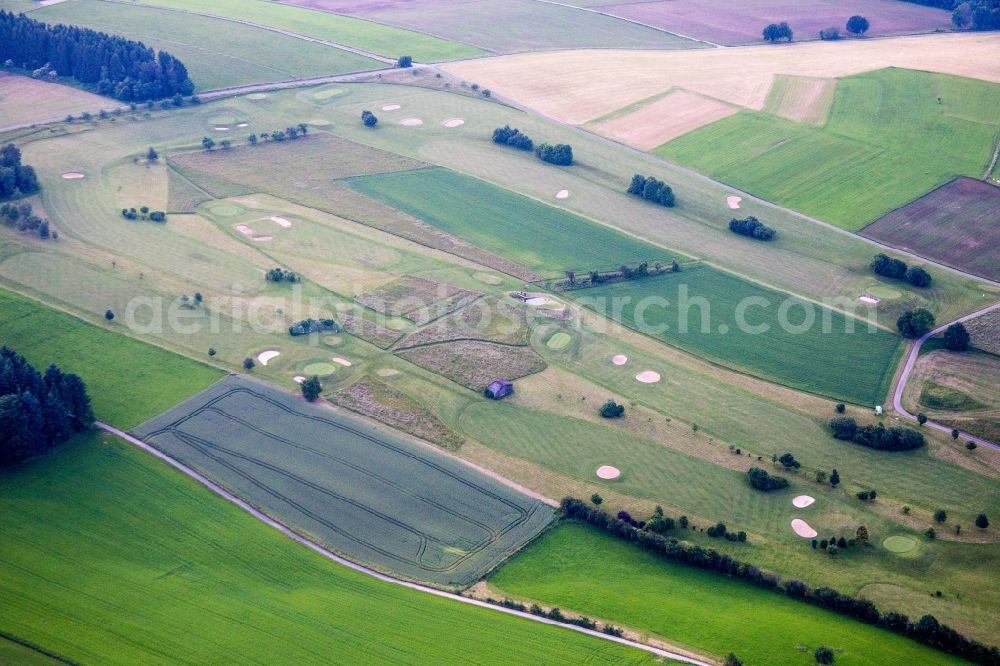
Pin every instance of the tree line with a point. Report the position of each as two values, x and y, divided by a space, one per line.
38 412
144 213
879 437
652 189
16 179
113 66
926 630
511 136
971 14
560 154
21 217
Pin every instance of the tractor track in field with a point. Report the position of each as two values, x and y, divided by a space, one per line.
911 360
320 550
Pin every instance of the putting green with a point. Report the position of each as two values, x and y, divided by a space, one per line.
322 369
257 96
558 340
226 210
488 278
899 544
397 324
332 341
328 93
226 119
882 291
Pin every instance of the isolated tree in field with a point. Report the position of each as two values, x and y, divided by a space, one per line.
369 119
252 139
596 499
862 534
404 61
982 522
857 25
776 32
915 323
956 338
612 410
109 315
820 476
311 388
248 364
823 655
971 446
211 351
940 516
207 143
955 433
152 155
834 478
921 418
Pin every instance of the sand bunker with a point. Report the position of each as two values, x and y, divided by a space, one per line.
244 229
261 239
387 372
869 299
243 125
734 202
221 128
281 221
453 122
802 501
537 300
73 175
257 96
342 361
266 356
802 528
411 122
320 369
298 379
620 359
648 377
391 107
562 194
608 472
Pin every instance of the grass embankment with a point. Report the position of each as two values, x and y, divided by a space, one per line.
128 381
892 136
576 567
111 557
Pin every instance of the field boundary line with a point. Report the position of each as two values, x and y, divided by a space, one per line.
993 162
316 548
911 360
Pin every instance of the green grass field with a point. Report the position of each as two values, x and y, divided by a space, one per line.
820 357
511 225
578 568
128 381
866 153
366 35
217 53
111 557
370 495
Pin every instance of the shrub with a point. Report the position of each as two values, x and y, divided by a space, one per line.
921 418
596 499
307 326
789 462
831 33
404 61
940 516
652 189
248 364
311 388
970 446
982 522
823 655
915 323
751 227
841 408
368 118
612 410
158 216
761 480
560 154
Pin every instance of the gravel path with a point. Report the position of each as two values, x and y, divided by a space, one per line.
911 360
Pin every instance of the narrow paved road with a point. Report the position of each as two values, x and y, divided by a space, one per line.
911 360
320 550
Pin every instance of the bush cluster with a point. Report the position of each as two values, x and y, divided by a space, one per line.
751 227
16 179
896 269
511 136
22 218
368 118
560 154
914 323
761 480
291 132
281 275
877 436
38 412
926 630
144 214
612 410
652 189
307 326
775 32
554 614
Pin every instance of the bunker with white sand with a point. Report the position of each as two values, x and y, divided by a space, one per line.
607 472
734 202
391 107
73 175
536 300
648 377
803 529
619 359
261 239
411 122
562 194
244 229
266 356
281 222
802 501
298 379
453 122
342 361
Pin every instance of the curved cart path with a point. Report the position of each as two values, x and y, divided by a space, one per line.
911 360
370 572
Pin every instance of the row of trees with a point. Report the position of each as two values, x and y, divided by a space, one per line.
555 614
513 137
926 630
38 412
751 227
652 189
877 436
973 14
144 213
16 179
307 326
896 269
21 217
292 132
112 65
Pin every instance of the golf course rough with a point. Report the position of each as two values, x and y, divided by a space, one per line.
372 496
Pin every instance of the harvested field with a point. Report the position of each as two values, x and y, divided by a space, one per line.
373 497
959 390
722 22
957 224
474 364
985 332
527 25
668 117
801 98
488 319
369 331
387 404
418 299
182 196
578 86
26 100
